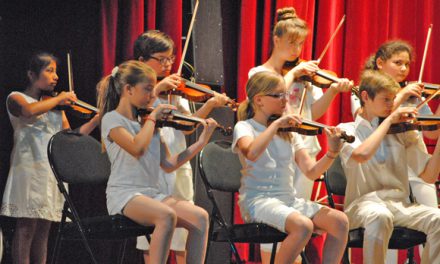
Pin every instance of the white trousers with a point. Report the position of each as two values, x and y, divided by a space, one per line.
379 218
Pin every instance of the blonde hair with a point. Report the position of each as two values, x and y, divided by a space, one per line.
109 89
260 83
374 82
288 23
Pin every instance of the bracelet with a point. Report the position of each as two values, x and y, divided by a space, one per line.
331 157
152 120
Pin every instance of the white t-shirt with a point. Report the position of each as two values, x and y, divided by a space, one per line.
382 177
271 174
130 176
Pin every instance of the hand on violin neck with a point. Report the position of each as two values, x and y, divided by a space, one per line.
306 68
66 98
162 111
403 114
343 85
209 125
411 90
218 100
284 121
168 83
334 139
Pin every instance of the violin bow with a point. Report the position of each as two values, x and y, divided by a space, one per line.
303 97
422 67
331 39
188 36
71 87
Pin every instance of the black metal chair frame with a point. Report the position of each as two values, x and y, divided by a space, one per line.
234 233
106 227
401 238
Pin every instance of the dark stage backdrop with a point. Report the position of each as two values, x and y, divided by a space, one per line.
100 34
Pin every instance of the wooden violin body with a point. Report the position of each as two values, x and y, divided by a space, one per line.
309 128
421 123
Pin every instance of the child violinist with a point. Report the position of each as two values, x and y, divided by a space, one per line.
155 48
376 197
394 58
288 38
269 160
137 154
31 194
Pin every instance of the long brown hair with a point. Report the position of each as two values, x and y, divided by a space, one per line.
386 51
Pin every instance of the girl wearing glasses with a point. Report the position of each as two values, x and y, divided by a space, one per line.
288 38
270 159
155 49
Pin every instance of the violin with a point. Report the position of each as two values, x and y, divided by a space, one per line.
196 92
180 121
309 128
428 88
421 123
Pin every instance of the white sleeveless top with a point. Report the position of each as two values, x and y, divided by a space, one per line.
31 190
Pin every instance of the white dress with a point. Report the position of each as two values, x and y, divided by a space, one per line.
31 190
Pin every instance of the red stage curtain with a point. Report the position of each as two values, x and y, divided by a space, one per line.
368 24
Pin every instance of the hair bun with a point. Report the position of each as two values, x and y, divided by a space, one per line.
286 13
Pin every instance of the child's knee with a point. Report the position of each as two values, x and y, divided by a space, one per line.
167 217
300 225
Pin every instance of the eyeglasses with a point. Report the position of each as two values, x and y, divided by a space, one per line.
164 60
277 95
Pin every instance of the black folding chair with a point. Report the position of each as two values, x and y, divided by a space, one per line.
220 170
78 159
401 238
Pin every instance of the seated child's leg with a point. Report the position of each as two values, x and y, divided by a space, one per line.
196 220
335 223
147 211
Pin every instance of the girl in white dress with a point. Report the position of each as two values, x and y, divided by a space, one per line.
31 194
137 154
288 37
269 160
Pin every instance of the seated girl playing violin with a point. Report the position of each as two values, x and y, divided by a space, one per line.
138 153
376 197
155 49
269 160
288 38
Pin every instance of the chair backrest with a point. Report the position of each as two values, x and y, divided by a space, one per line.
220 167
335 179
77 158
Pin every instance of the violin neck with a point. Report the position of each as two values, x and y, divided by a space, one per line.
313 123
327 76
199 88
86 106
183 117
428 118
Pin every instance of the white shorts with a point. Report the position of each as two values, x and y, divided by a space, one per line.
178 242
274 210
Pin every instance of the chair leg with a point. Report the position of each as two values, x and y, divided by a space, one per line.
87 246
345 258
122 251
410 256
273 253
304 259
56 248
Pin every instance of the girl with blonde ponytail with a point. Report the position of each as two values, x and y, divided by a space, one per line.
137 153
270 160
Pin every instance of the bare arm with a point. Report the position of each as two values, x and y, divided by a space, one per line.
432 169
314 169
253 148
171 163
137 145
322 104
18 106
368 148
